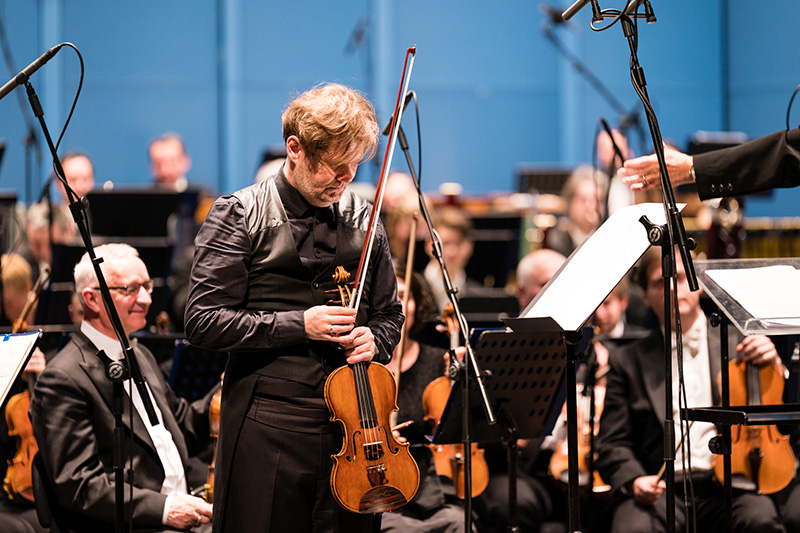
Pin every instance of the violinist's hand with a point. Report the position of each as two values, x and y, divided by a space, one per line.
35 363
759 350
398 437
646 491
186 512
359 345
328 322
643 172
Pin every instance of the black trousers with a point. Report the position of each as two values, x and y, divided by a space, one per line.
280 477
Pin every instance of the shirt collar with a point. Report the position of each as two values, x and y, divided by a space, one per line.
109 345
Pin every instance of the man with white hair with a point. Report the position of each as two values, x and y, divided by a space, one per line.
74 425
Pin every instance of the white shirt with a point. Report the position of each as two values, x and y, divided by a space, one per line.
174 475
697 379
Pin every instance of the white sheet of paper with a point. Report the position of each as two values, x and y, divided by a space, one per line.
595 268
770 292
14 352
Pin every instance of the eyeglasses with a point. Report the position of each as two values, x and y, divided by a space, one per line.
132 289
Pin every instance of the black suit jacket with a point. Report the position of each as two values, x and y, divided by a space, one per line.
74 427
630 443
764 163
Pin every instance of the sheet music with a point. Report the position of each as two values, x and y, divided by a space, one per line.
595 268
769 292
15 350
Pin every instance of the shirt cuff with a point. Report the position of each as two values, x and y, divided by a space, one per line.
165 513
291 326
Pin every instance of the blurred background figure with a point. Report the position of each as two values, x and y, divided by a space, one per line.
41 232
534 271
455 231
608 161
169 162
271 161
583 194
79 172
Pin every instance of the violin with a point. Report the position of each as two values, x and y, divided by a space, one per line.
17 483
761 453
373 473
213 426
587 419
449 458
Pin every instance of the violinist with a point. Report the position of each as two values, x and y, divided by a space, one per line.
261 282
630 441
435 507
18 516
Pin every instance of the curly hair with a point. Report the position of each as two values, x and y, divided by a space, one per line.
333 120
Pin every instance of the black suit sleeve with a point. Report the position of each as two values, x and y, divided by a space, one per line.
772 161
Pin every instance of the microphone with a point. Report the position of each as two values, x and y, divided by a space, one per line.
633 6
554 14
28 71
572 10
409 96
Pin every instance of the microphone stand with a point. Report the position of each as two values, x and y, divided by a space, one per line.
117 371
675 235
467 372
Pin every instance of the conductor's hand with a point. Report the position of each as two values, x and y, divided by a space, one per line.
359 345
186 512
328 322
643 173
646 491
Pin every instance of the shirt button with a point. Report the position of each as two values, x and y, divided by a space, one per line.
316 285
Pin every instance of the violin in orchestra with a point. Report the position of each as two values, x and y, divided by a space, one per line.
762 454
449 458
17 482
588 417
373 473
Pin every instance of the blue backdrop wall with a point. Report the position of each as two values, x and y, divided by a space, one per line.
493 91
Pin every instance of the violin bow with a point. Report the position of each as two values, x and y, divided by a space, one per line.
366 252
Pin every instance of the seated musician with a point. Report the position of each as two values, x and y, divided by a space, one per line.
538 501
435 507
74 425
631 438
18 515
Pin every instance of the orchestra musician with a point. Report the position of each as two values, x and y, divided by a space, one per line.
18 516
435 507
261 279
74 425
631 437
538 501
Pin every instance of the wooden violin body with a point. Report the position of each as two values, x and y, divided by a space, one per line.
213 425
449 458
17 483
559 462
761 453
373 473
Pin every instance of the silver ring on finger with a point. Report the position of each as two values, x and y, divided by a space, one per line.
331 330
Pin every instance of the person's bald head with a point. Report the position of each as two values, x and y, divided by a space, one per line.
534 271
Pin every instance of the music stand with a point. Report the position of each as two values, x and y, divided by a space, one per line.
772 309
591 271
526 371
